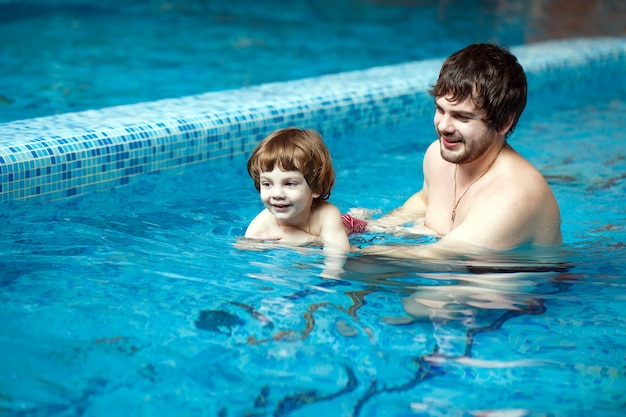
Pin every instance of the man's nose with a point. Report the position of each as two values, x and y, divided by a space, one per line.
444 123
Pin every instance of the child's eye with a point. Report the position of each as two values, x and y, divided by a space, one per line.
265 184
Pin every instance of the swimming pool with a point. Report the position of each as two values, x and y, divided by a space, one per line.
62 56
133 300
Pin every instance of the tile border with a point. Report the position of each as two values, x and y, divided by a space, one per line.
61 156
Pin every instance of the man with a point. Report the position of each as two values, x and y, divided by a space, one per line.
478 192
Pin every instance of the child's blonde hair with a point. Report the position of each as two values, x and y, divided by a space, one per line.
293 149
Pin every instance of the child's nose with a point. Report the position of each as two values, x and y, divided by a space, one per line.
278 191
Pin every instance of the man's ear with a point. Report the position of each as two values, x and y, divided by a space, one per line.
505 129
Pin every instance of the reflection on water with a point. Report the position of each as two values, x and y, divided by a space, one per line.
476 293
404 329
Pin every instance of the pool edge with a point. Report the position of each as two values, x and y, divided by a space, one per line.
99 149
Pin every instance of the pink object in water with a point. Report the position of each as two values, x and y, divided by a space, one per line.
353 225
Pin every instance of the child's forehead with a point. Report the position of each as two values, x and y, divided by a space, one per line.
281 173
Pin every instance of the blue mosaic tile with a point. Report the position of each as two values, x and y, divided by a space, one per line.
65 155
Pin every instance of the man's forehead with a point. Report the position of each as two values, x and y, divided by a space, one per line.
467 104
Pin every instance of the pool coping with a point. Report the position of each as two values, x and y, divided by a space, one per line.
62 156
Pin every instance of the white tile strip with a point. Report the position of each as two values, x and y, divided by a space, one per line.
61 156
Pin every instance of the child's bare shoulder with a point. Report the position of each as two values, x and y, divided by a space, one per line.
262 223
327 209
325 214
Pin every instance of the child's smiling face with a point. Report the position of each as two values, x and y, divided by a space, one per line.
287 195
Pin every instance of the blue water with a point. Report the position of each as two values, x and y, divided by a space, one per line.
59 56
135 301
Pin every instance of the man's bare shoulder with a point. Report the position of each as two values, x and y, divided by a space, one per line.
433 152
517 176
434 163
522 198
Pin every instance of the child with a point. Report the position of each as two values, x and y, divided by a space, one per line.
293 172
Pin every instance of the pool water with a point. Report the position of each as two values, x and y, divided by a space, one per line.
60 56
136 301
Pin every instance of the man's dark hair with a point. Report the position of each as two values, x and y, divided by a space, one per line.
491 76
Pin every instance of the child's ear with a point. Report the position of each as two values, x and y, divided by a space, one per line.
316 195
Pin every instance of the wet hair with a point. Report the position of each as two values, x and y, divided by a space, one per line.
293 149
491 76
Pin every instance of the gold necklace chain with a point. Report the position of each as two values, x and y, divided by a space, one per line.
455 202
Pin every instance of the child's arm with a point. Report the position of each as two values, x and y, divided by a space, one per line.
333 233
253 238
335 239
259 227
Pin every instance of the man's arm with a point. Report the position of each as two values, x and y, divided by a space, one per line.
509 217
413 209
437 251
492 224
